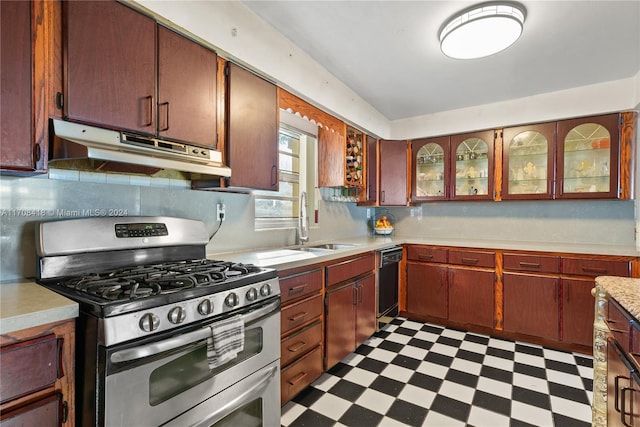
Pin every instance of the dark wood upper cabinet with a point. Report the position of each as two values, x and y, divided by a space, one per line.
331 157
30 65
472 166
393 173
252 129
186 89
114 57
431 171
528 162
588 157
110 71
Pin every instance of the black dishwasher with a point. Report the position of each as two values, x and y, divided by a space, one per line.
388 281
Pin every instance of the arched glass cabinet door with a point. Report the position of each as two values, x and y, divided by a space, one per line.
527 162
472 166
430 175
587 156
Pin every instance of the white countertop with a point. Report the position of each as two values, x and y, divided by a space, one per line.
25 304
282 260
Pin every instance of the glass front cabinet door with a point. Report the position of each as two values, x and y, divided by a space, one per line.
527 162
431 168
472 166
588 153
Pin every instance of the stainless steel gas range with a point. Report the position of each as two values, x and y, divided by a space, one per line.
165 336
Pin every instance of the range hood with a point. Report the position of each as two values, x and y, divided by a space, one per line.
124 147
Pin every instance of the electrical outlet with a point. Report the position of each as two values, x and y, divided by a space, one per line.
368 213
220 212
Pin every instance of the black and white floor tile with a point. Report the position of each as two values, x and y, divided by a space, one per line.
419 374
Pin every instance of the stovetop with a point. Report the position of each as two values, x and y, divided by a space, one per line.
140 287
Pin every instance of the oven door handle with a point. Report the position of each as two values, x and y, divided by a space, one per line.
254 391
184 339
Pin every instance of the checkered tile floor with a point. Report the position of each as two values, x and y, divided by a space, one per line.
419 374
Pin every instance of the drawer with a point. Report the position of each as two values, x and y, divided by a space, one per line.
537 263
427 254
619 323
472 258
300 285
298 376
300 343
28 366
595 267
299 313
346 270
42 413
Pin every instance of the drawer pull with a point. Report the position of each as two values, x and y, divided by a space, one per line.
470 260
529 264
623 409
295 380
297 346
594 270
297 289
425 257
298 316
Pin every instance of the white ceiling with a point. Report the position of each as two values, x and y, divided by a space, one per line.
388 52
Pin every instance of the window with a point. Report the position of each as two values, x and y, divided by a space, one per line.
296 172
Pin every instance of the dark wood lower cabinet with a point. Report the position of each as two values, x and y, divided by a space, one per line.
471 296
578 308
531 305
350 318
427 290
539 297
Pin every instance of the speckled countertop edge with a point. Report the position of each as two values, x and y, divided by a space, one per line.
624 290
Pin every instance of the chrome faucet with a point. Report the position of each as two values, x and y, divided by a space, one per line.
303 220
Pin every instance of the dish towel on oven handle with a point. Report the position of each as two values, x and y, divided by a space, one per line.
226 341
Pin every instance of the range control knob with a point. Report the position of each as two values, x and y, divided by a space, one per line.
177 315
205 307
265 290
252 294
149 322
231 300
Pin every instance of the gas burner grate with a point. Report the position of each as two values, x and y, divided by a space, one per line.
155 279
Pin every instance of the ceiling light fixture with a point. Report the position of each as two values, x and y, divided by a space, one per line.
482 30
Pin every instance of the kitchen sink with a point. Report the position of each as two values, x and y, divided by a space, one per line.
329 246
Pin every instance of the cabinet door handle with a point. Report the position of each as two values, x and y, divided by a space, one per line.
297 347
594 270
617 396
165 104
298 316
297 289
355 295
149 105
469 260
382 196
623 410
529 264
293 381
274 174
425 257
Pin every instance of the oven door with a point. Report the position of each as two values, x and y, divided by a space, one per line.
150 384
253 402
